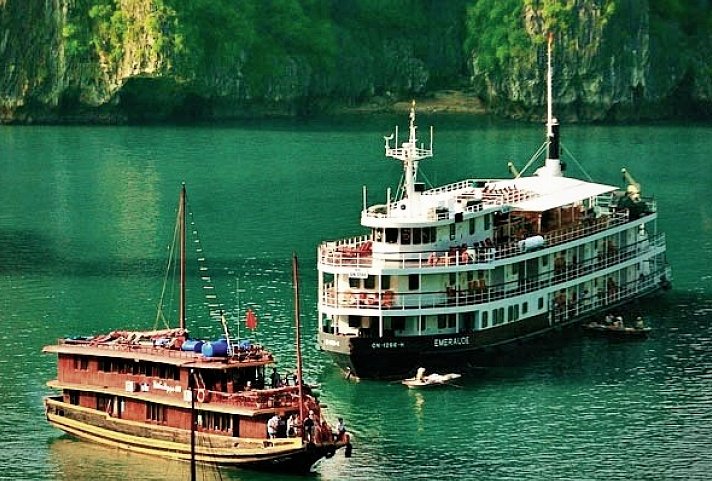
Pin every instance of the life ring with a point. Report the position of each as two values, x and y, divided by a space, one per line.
201 396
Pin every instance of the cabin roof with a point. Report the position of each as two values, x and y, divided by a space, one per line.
551 192
158 354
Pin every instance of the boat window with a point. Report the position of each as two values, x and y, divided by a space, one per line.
370 282
525 307
391 235
442 321
156 412
545 260
417 231
354 282
413 282
485 315
103 402
385 282
405 236
541 303
487 221
74 398
472 226
81 363
426 235
354 321
452 278
423 323
398 323
377 235
451 320
452 231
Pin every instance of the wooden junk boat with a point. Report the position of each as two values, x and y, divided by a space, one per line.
163 393
458 274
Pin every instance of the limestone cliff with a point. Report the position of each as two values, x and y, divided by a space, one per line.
147 60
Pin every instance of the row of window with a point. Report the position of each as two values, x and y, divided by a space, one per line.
421 235
142 368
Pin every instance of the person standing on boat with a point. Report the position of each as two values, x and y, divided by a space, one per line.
274 378
272 426
340 430
309 425
292 425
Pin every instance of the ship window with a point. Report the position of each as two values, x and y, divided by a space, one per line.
385 282
398 323
541 303
354 321
485 315
525 307
472 226
426 236
545 261
391 235
451 320
452 231
377 235
413 282
442 321
453 279
405 236
156 412
417 237
370 282
103 402
354 282
81 363
74 398
487 221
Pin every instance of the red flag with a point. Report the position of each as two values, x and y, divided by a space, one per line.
251 320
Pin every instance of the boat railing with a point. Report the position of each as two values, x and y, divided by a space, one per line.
281 397
251 355
477 291
346 253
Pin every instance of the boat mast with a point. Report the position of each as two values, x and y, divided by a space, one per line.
300 383
181 220
410 154
553 166
191 385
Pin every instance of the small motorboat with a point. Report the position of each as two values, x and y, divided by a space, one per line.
421 380
615 328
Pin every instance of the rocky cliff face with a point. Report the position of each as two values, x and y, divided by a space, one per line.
612 61
144 60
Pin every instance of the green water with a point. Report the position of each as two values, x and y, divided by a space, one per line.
86 215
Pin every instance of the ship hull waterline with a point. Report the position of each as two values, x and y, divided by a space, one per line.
396 357
298 459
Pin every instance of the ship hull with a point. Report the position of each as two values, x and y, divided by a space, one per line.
396 357
284 455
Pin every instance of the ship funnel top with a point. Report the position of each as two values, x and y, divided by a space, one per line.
409 153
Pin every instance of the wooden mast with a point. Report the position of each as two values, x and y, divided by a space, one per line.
300 383
193 423
181 221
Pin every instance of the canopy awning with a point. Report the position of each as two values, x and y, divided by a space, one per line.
553 192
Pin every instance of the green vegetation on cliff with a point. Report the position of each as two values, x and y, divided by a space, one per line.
141 59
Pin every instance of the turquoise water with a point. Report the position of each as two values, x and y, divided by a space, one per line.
86 215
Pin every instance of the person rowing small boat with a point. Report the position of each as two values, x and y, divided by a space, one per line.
615 327
421 380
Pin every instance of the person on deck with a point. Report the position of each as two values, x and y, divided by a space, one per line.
272 426
309 424
275 379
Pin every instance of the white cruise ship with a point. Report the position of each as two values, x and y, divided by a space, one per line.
451 275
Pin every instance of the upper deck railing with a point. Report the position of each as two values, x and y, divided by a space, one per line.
356 252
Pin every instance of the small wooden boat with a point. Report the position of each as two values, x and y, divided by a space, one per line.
431 380
617 330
